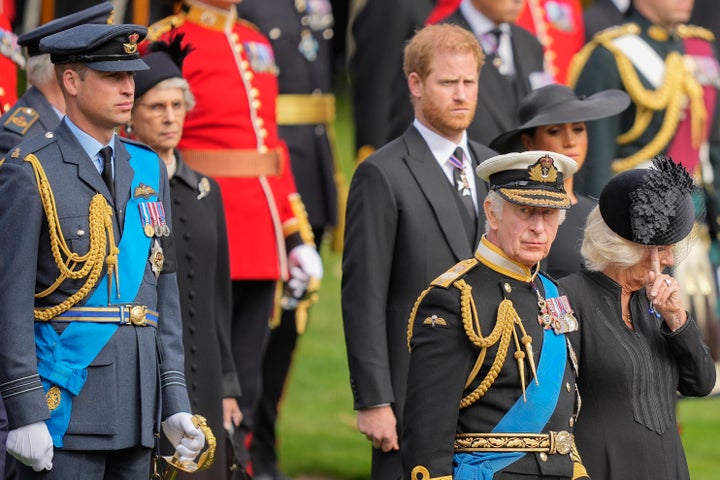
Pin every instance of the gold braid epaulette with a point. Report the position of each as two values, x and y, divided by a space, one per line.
502 333
601 38
678 83
67 261
161 27
695 31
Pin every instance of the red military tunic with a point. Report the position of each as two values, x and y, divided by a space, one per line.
232 74
558 25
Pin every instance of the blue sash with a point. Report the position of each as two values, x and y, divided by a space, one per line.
529 416
63 359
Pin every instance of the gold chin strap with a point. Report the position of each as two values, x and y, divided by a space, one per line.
206 458
71 264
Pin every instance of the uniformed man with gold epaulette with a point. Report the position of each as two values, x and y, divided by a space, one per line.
300 34
491 384
91 356
42 106
672 74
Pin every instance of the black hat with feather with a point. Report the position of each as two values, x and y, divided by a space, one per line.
650 206
165 61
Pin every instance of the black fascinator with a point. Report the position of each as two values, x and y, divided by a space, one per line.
650 206
165 59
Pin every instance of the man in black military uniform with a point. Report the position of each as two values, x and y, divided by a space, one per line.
300 34
490 383
42 106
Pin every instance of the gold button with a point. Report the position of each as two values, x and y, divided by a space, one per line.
244 64
274 33
507 287
543 456
249 75
254 92
256 104
263 149
263 133
260 122
567 386
234 36
571 422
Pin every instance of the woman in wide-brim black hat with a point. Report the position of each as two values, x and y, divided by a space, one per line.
553 118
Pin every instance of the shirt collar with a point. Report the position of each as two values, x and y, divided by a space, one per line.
479 23
492 257
88 143
440 146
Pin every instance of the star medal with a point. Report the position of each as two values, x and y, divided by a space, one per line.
157 258
463 184
563 320
146 219
308 46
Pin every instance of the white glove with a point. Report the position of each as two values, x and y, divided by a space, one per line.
304 262
32 445
187 439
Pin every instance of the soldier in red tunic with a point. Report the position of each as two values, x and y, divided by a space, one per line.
231 135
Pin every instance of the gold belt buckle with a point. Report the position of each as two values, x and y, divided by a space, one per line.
138 315
561 442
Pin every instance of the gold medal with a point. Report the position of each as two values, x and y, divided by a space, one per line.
149 230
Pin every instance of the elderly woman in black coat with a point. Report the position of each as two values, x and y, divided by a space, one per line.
162 98
637 345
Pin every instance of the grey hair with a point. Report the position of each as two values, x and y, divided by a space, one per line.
602 247
496 206
182 84
40 70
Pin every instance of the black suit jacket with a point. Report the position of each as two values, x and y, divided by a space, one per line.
403 229
497 103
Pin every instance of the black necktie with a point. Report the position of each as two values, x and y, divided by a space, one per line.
461 184
107 174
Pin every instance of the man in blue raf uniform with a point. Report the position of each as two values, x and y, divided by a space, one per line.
86 233
42 106
490 384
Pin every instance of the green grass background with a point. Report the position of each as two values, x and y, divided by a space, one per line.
317 431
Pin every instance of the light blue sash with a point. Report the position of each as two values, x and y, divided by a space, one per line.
63 359
529 416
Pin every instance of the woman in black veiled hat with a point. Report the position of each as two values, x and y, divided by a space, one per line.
637 345
553 118
162 98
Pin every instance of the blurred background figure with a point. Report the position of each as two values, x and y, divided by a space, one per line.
11 57
162 99
557 24
377 33
232 136
601 14
637 345
41 107
671 72
553 118
514 63
301 36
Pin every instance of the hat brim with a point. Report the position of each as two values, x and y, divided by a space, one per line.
134 65
600 105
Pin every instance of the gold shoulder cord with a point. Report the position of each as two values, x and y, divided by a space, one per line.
503 331
678 83
90 264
